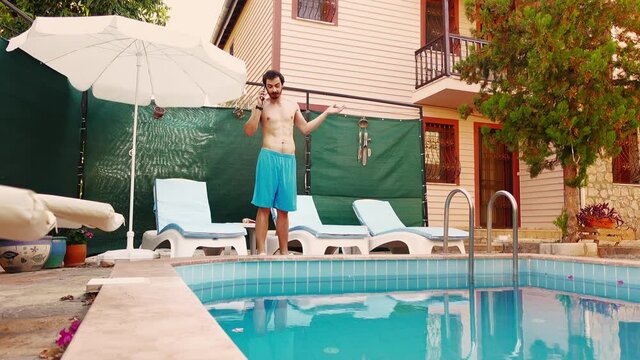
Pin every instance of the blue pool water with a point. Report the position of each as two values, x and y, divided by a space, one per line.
535 324
423 309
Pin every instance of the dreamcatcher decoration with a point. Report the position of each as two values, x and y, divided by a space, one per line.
364 151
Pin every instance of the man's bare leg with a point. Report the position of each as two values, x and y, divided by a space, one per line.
282 229
262 226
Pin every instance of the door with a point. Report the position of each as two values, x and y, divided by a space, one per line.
435 19
496 170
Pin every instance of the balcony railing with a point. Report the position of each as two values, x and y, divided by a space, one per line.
431 63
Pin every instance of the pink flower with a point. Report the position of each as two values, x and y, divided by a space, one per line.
75 324
64 339
65 336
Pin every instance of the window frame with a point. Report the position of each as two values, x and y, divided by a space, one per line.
294 13
624 178
456 148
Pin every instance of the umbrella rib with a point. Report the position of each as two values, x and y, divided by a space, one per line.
114 59
208 64
146 58
84 48
179 67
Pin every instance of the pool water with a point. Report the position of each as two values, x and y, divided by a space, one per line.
504 323
399 308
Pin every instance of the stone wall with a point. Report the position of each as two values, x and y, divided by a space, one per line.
623 197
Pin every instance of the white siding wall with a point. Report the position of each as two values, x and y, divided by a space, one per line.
465 24
252 40
369 53
541 198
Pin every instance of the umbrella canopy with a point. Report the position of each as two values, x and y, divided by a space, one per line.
132 62
102 53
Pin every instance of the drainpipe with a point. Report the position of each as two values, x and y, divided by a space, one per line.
447 46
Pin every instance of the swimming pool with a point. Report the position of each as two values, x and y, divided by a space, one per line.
421 308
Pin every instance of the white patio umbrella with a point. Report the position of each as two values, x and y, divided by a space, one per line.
132 62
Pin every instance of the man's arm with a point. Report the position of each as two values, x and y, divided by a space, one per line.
251 126
307 127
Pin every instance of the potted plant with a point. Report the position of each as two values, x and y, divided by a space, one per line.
599 216
58 250
76 246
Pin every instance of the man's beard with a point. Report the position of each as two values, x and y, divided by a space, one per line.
274 95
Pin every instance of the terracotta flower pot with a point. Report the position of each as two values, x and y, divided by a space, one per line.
602 223
76 254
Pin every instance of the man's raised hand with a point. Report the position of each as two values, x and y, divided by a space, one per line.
334 109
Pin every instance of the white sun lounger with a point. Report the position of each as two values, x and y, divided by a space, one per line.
385 227
184 220
306 227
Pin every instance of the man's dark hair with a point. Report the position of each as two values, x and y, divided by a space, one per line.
270 75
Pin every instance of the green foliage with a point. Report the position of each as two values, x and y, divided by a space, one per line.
77 236
152 11
561 222
565 77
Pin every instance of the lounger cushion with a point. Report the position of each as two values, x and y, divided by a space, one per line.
306 218
207 231
23 216
378 216
335 231
381 219
183 205
437 233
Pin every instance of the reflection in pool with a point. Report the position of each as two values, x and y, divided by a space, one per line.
526 323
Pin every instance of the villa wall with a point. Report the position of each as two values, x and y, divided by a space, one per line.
541 198
370 52
624 198
252 40
465 24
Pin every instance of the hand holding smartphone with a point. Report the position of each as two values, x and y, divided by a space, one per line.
263 94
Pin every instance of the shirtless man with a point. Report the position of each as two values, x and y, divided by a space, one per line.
275 185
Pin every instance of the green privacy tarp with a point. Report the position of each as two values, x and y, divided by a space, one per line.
392 173
204 144
39 126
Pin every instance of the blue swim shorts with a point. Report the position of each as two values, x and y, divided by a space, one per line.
275 181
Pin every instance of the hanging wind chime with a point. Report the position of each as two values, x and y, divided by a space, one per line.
364 151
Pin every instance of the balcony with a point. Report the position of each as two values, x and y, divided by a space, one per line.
437 80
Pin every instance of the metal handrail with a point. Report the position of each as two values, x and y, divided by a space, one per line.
514 226
445 243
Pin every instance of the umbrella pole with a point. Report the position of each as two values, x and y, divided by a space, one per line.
130 233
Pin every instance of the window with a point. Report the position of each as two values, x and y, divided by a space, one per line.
626 166
319 10
441 162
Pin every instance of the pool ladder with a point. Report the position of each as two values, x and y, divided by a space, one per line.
514 214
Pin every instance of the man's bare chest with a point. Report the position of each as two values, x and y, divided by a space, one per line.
279 114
